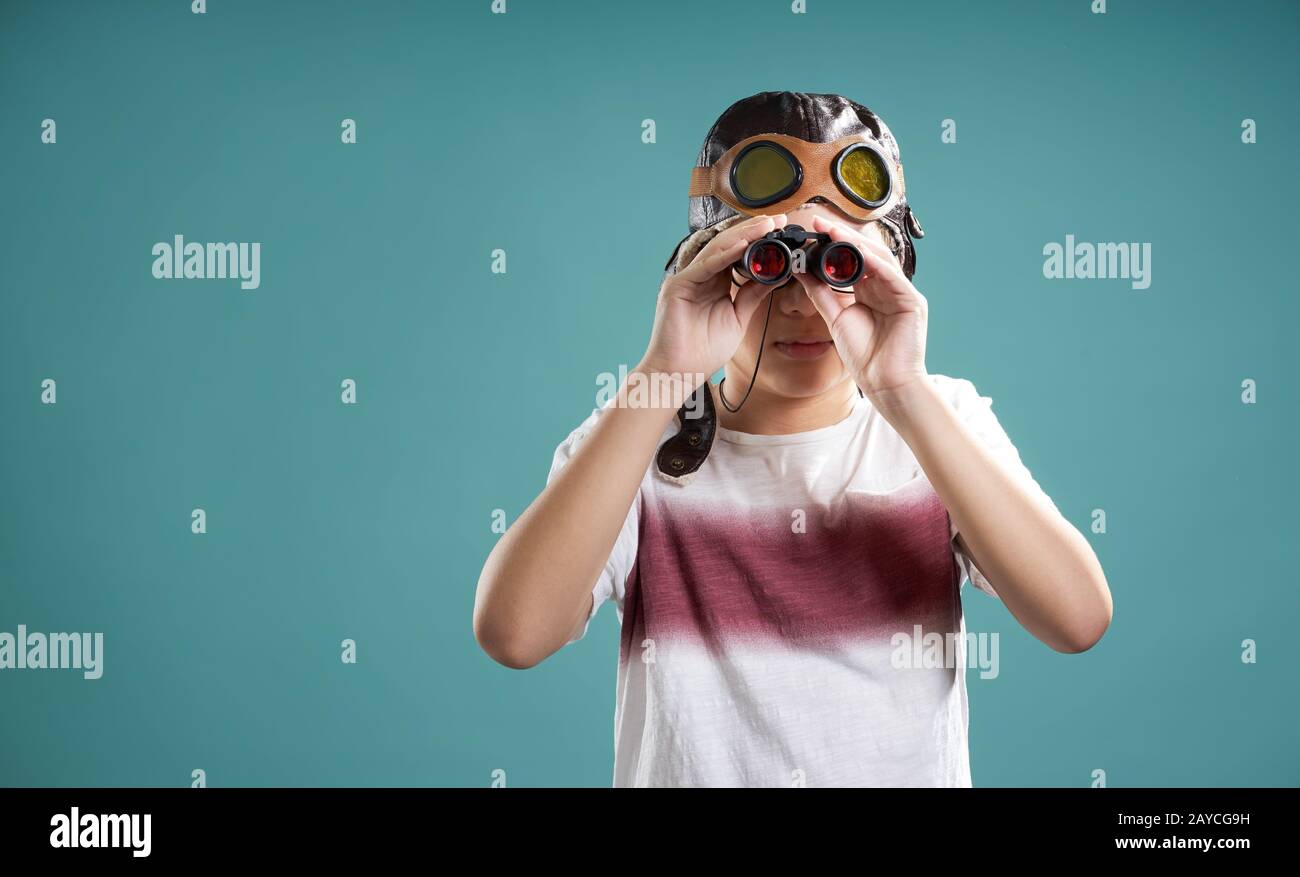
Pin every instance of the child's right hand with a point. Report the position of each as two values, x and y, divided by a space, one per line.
698 324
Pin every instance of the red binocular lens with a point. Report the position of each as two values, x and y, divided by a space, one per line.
840 264
768 261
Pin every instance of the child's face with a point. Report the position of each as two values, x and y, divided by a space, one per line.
799 359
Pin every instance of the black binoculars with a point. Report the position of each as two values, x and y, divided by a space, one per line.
772 258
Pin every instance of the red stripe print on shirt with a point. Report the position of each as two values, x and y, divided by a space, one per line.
866 567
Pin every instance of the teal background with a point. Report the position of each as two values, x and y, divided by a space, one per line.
478 131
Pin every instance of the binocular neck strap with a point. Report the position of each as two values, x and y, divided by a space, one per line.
686 452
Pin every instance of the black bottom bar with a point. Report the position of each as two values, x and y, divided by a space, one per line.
334 826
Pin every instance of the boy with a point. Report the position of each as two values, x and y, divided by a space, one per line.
770 547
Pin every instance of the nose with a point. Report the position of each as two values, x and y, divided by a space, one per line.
793 300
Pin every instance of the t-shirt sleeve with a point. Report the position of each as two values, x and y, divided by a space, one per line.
977 413
613 577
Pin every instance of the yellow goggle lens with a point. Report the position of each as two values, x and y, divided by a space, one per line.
865 174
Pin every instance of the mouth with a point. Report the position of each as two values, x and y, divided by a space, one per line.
803 348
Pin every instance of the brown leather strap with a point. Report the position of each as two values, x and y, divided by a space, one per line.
686 452
701 182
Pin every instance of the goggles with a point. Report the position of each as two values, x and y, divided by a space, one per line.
776 173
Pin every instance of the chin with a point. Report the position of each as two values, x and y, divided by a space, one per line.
804 383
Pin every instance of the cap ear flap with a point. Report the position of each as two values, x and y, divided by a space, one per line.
898 221
914 224
689 247
671 265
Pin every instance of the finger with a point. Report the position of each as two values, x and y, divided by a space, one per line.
728 247
883 285
874 251
871 289
770 221
860 237
867 244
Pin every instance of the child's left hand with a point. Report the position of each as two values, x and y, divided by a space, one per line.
879 331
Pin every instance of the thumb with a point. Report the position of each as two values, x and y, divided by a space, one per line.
748 298
828 304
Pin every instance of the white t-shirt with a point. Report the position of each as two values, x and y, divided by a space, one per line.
763 602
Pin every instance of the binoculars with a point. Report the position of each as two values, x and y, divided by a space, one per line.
774 257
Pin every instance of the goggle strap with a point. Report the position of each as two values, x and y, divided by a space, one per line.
701 182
